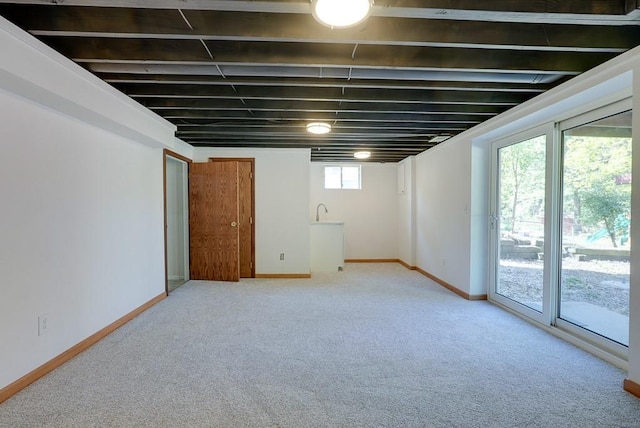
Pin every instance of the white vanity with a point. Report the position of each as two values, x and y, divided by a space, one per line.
327 246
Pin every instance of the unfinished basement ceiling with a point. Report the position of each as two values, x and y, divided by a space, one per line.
254 73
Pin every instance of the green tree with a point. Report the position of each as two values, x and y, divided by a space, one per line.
606 205
592 189
521 175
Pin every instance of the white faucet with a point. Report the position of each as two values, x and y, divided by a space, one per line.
318 213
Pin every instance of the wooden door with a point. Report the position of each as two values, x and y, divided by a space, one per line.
245 205
246 212
213 221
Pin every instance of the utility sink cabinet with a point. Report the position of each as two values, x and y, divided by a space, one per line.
327 246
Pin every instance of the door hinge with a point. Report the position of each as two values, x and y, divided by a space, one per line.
251 265
251 175
250 220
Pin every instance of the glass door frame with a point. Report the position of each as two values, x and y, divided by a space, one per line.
592 115
550 315
546 130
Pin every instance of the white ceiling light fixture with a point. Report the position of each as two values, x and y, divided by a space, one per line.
341 13
362 155
318 128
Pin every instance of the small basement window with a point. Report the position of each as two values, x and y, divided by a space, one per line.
342 177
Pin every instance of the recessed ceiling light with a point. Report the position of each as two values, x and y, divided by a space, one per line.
362 155
341 13
318 127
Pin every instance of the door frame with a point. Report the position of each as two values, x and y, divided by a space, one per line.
550 317
166 155
253 204
545 316
608 109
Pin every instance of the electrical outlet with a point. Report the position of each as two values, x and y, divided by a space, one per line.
281 256
43 324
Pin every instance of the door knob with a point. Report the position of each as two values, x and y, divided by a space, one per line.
234 224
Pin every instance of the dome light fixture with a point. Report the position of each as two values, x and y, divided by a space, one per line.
341 13
362 155
318 128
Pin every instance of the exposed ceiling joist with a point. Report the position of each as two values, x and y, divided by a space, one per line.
246 27
191 52
607 12
122 79
254 73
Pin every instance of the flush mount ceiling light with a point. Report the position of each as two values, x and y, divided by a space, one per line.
318 128
341 13
362 155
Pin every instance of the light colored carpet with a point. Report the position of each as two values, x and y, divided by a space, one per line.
173 284
373 346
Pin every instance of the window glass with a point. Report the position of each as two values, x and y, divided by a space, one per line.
351 177
596 223
342 177
332 177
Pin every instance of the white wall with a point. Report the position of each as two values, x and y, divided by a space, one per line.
81 227
81 224
443 201
479 219
183 149
370 214
406 211
282 204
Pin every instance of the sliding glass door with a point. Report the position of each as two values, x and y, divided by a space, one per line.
596 203
518 226
560 225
